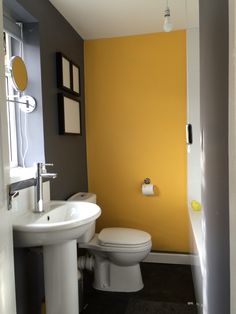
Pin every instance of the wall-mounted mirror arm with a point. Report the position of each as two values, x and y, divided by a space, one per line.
27 103
18 102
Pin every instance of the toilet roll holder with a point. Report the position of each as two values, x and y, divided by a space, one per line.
147 188
147 181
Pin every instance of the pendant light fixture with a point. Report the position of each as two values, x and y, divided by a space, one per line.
167 26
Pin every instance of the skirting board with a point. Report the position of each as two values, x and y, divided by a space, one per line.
171 258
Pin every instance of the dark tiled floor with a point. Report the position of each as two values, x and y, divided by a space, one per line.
162 283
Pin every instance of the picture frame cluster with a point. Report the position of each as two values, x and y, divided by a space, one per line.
69 107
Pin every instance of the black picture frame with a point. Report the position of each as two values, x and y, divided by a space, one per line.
68 74
69 114
75 79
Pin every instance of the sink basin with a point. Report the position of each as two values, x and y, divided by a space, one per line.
61 221
57 230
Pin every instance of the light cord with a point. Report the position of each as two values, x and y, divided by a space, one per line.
26 140
21 137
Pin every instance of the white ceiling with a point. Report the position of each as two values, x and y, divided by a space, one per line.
112 18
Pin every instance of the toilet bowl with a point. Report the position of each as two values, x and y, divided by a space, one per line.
117 253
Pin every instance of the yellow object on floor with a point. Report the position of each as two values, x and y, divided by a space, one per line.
43 308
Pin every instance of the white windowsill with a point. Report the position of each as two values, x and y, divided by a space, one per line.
19 174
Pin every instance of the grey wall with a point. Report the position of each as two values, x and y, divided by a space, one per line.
68 153
214 125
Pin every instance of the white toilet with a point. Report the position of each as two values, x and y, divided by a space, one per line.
117 253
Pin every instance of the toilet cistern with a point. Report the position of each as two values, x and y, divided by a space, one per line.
41 173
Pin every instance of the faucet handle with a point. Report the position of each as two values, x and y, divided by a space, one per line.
12 194
48 164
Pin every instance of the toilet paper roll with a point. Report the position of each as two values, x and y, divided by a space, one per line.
148 189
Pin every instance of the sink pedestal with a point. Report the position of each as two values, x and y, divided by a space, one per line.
60 277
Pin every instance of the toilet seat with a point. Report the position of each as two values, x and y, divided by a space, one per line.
95 245
123 237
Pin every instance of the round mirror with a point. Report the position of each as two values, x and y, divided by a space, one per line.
18 73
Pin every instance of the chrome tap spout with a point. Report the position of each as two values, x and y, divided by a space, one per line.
40 174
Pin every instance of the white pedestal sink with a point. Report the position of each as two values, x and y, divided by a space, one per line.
56 229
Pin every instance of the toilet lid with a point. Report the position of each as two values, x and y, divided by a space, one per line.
123 237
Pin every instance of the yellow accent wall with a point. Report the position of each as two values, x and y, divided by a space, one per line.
135 123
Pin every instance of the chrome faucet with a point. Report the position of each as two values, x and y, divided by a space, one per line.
41 173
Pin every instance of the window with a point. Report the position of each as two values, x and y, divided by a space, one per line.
13 47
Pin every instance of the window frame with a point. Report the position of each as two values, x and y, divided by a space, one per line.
12 94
